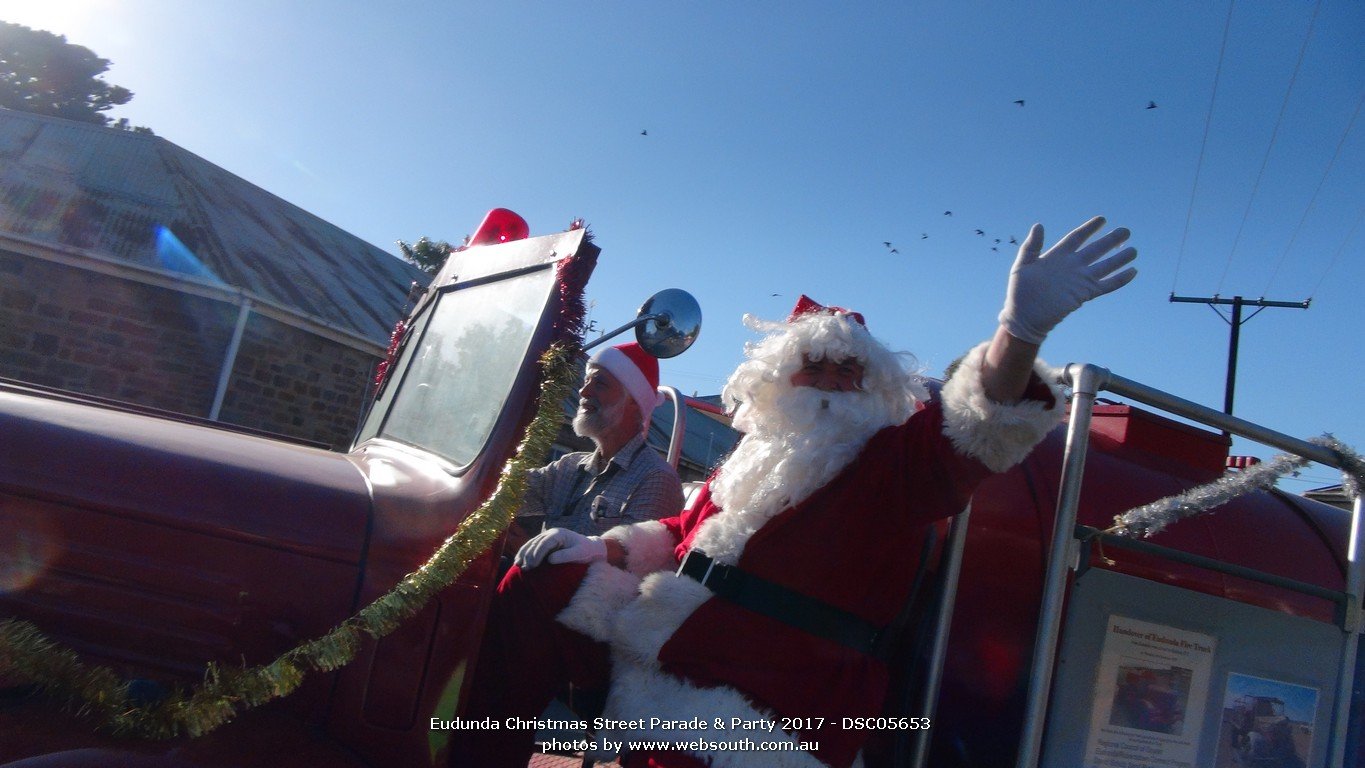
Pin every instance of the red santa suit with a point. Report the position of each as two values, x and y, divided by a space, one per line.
680 652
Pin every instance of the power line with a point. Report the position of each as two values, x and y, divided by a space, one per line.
1208 122
1340 249
1274 273
1312 480
1273 135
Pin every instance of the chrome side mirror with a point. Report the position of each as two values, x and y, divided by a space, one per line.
671 321
665 325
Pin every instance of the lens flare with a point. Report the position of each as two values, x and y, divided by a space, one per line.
175 256
28 545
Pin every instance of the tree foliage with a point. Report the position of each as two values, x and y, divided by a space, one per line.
42 73
426 254
123 125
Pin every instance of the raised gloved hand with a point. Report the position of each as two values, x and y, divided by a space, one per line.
560 545
1045 288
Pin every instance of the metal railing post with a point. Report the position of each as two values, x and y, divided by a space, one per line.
230 359
1355 582
943 620
675 441
1086 381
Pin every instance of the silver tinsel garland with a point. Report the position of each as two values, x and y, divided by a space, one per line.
1149 519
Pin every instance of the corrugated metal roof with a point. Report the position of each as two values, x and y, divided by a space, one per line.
111 191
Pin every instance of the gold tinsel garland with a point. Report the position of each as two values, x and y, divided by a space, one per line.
98 692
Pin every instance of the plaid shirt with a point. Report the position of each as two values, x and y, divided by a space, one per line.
576 491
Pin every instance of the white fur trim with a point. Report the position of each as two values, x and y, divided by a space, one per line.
998 435
665 601
642 692
649 546
604 591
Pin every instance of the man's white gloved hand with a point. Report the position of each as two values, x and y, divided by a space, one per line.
560 545
1045 288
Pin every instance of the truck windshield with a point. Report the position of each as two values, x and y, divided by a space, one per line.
459 365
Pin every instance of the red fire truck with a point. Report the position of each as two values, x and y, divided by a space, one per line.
156 544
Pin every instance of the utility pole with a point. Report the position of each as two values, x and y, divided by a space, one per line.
1235 323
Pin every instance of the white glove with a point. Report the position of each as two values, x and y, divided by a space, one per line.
1044 289
560 545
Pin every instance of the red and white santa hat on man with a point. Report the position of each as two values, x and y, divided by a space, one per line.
636 370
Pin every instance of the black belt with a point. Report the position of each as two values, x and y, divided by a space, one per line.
786 605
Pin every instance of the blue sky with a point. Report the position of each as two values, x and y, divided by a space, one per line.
787 141
1300 702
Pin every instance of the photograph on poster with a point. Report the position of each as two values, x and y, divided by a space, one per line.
1151 698
1151 689
1266 723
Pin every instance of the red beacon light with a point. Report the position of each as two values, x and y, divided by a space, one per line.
500 225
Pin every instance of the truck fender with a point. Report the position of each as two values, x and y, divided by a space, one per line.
98 757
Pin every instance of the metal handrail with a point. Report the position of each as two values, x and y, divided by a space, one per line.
675 442
943 620
1224 421
1087 534
1087 381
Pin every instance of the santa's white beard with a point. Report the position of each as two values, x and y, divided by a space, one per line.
798 442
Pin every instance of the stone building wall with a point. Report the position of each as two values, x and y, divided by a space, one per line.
100 334
290 381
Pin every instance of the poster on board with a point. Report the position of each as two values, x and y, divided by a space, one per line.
1266 723
1150 696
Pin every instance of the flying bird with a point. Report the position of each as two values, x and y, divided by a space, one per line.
997 241
947 213
979 232
893 250
993 248
1151 105
924 236
1020 102
1013 241
644 133
888 245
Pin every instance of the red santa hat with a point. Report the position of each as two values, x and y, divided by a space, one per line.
826 332
638 372
805 305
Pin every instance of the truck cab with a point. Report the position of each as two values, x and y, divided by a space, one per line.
153 544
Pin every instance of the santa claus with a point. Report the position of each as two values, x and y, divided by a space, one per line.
744 630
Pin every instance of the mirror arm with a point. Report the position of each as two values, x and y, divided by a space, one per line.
663 318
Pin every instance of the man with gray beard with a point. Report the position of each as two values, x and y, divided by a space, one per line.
623 481
764 602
